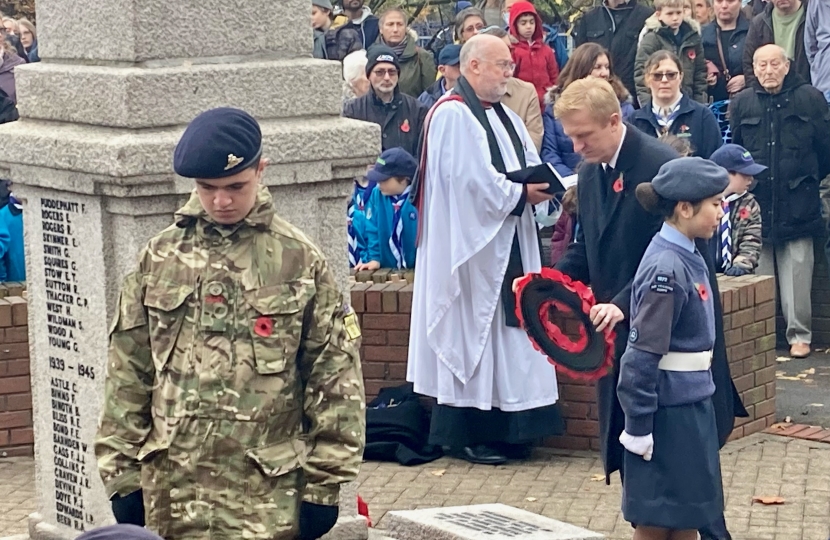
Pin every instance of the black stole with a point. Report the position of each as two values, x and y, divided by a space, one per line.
515 269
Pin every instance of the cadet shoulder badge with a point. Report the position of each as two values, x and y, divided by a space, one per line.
350 323
662 284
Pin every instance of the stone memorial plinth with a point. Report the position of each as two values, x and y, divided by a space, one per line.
91 158
493 521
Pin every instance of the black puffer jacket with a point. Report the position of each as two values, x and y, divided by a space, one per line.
618 30
789 132
400 120
761 33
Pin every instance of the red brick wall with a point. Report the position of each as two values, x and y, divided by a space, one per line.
749 324
16 436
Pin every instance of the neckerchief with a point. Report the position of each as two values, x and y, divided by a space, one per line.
725 231
15 206
396 238
357 202
665 115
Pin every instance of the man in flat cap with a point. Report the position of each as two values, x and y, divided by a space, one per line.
234 403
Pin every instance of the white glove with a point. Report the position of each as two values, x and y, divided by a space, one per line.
642 446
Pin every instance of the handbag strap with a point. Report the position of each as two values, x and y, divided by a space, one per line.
720 53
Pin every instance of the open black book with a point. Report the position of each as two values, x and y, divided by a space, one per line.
542 174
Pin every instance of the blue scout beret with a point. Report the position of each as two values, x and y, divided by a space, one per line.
450 55
393 162
736 158
690 179
218 143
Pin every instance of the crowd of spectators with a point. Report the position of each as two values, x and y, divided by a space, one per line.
675 67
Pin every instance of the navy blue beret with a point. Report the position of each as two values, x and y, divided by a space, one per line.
119 532
690 179
218 143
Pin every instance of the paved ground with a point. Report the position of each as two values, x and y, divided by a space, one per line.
568 486
803 389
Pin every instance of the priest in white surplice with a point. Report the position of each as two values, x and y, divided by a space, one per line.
495 392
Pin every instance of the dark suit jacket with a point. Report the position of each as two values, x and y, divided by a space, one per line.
614 232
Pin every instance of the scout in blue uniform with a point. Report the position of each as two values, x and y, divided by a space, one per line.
672 483
391 220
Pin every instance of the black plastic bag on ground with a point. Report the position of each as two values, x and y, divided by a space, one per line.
397 428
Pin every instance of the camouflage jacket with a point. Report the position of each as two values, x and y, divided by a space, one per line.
234 389
745 217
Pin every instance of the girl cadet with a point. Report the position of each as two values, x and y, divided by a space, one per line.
672 482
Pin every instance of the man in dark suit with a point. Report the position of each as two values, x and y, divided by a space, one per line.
613 234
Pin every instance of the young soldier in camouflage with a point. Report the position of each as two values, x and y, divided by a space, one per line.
234 402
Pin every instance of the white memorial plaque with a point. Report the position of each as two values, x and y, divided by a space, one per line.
67 315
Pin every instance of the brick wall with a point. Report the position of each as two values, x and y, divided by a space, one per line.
16 436
749 324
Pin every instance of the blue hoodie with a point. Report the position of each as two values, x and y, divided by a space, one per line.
379 214
12 259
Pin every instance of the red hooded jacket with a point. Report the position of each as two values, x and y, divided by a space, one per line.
535 63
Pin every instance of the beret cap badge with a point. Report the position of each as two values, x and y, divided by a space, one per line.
233 161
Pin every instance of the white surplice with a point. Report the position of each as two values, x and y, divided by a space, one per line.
460 349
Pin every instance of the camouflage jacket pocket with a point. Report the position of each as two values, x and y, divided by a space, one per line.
278 459
276 325
165 303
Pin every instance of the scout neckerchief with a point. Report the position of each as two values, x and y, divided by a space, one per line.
725 231
396 239
665 116
462 91
357 202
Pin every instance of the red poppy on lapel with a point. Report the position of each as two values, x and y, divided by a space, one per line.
405 126
618 185
692 54
744 213
702 291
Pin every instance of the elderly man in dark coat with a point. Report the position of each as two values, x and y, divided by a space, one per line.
785 124
614 227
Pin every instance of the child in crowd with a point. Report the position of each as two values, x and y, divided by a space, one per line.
681 146
391 220
669 30
737 246
12 259
356 212
534 59
672 471
564 231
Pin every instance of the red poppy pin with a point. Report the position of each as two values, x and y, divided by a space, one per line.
702 291
264 326
618 185
684 128
405 126
744 213
692 54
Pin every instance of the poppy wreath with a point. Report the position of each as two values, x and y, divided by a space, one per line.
538 296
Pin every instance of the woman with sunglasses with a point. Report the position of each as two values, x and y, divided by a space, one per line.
670 111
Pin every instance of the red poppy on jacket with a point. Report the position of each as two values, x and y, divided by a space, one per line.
264 326
405 126
535 61
744 213
692 54
702 291
618 185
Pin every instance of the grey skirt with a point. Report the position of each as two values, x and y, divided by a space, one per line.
681 487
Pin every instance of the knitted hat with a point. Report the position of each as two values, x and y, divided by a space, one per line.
379 54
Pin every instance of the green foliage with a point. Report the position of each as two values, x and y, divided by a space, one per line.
18 9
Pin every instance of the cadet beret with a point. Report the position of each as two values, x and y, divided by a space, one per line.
683 179
218 143
377 54
119 532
